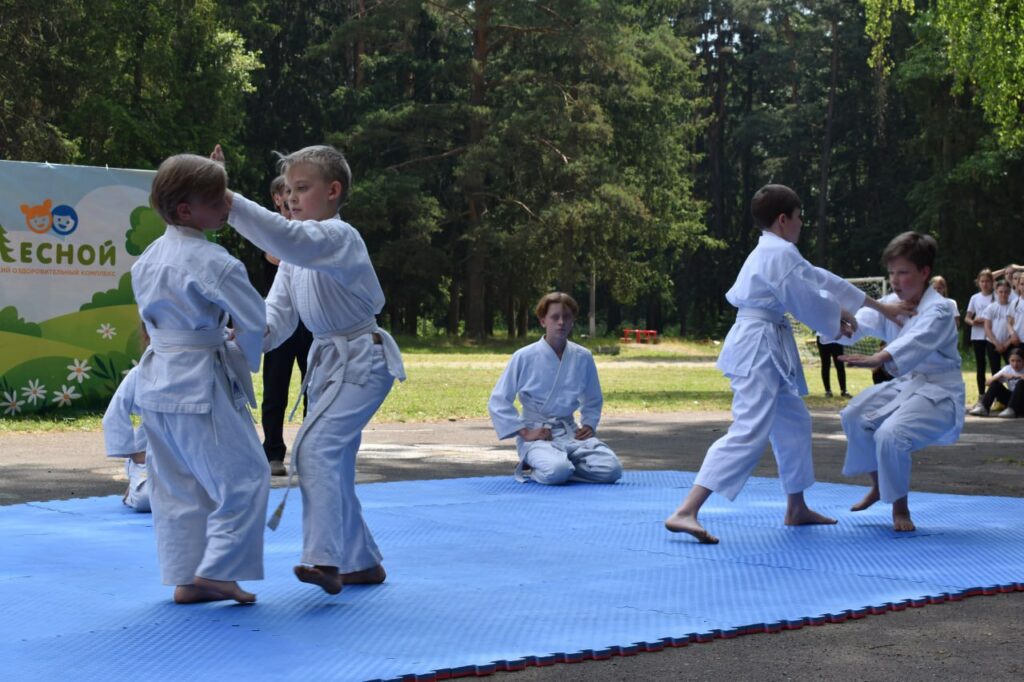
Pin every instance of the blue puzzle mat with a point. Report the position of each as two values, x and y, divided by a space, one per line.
486 574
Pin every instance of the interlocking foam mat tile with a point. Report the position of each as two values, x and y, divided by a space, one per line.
486 574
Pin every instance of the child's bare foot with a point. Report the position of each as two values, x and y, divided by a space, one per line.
687 523
204 590
806 517
868 500
901 516
368 576
190 594
326 578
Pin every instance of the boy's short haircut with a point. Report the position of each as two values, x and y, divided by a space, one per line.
329 161
556 297
770 202
277 186
919 249
183 178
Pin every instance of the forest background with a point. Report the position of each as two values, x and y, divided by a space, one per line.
604 147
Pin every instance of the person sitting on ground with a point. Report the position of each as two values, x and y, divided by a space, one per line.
1005 386
553 378
123 440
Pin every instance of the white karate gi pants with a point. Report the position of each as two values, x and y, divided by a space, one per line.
884 443
563 459
333 530
209 482
766 409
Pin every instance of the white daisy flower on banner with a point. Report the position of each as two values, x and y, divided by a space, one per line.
135 363
11 403
106 331
34 391
66 395
79 371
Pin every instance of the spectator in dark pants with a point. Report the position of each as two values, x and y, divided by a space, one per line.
278 363
829 353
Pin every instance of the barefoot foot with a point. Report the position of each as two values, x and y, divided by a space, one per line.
190 594
368 576
806 517
868 500
901 523
205 589
326 578
686 523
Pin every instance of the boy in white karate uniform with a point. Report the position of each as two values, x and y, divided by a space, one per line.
761 360
553 378
123 440
209 478
327 281
924 404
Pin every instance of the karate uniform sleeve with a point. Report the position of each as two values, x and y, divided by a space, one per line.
847 295
119 437
928 333
323 245
501 406
591 398
799 292
282 318
238 298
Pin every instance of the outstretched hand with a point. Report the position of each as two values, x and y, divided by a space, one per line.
217 155
868 361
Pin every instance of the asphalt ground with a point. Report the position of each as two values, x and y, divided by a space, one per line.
979 637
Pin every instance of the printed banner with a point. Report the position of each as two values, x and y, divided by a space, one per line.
69 327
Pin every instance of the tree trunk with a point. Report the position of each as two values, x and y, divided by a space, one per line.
593 300
826 151
476 290
454 314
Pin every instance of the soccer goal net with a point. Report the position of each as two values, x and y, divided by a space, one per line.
875 287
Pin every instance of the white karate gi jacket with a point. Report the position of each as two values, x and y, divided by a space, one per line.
186 287
120 436
550 390
776 279
925 358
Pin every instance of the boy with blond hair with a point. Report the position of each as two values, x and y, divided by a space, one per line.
327 281
208 476
553 378
924 404
761 360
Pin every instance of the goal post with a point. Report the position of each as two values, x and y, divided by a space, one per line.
875 287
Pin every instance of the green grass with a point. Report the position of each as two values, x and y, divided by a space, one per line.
452 380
